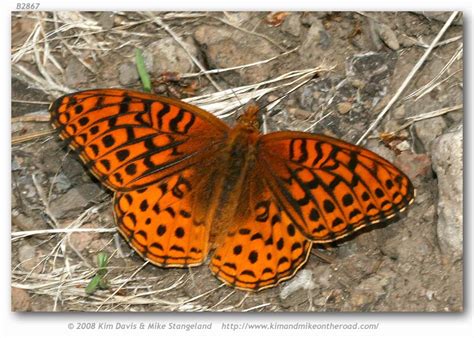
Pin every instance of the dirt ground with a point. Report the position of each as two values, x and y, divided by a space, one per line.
412 265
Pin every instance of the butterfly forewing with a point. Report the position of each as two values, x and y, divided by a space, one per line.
331 188
130 140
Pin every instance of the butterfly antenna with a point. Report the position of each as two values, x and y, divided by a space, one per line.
237 97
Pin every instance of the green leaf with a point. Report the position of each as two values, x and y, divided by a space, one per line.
102 260
99 281
144 77
93 285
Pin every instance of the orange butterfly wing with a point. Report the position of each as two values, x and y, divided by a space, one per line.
145 148
305 188
129 140
263 247
163 158
331 188
166 221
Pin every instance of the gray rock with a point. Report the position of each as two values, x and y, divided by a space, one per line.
128 73
75 199
447 157
317 39
406 41
428 130
106 20
295 291
399 112
72 168
375 70
25 223
308 18
322 275
27 257
238 18
225 47
380 149
455 116
303 280
62 183
15 165
166 55
388 36
14 201
292 25
75 73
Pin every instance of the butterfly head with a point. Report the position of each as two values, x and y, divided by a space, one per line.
250 118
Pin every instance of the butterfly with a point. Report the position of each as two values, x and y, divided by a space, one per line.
187 186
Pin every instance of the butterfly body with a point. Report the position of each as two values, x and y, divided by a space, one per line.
230 171
188 187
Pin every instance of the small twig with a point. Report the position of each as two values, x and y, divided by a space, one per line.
274 103
22 234
323 257
256 307
30 102
39 116
39 82
408 78
44 200
29 137
317 121
222 300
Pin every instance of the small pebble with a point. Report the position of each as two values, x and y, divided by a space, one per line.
388 36
344 107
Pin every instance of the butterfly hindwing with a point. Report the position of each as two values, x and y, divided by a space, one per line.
129 140
263 247
331 188
164 222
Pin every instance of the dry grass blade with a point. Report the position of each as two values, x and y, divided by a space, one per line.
40 116
439 44
420 92
38 82
224 103
253 64
426 116
22 234
408 78
123 284
33 136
